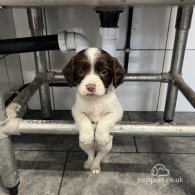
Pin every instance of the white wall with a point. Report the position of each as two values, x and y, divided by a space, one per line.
151 43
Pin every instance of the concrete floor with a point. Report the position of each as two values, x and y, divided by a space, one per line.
53 164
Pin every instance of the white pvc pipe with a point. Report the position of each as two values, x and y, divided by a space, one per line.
81 42
71 40
109 38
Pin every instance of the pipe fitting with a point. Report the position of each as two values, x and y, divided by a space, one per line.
109 15
72 40
11 126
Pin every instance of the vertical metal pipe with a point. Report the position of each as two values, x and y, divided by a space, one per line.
183 22
8 167
36 25
2 109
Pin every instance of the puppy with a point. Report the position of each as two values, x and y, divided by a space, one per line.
96 110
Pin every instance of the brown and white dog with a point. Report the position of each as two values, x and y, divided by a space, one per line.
96 110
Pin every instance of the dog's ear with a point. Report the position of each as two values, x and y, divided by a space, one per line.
68 72
119 73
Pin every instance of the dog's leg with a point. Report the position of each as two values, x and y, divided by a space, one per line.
84 125
103 138
86 136
102 131
89 149
103 150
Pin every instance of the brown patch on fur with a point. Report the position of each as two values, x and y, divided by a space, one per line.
76 69
107 67
111 69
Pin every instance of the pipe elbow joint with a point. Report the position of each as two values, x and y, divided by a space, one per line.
71 40
81 42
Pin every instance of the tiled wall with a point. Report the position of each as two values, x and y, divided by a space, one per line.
151 49
11 77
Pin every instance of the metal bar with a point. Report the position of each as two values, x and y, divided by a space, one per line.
2 109
29 44
183 21
8 168
94 3
36 25
146 77
185 89
68 127
14 108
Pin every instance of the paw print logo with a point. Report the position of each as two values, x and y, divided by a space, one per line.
159 170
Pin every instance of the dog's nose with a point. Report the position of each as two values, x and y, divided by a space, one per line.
91 87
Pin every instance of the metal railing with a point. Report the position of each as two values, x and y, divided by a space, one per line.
12 124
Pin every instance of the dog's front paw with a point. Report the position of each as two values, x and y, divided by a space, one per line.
95 168
86 139
102 138
88 163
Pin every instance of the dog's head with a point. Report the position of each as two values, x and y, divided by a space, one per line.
93 71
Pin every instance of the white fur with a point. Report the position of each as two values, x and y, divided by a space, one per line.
91 79
92 53
102 109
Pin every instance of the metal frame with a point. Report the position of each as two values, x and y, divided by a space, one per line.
183 22
35 19
11 122
94 3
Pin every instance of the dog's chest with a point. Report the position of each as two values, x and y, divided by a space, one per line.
95 109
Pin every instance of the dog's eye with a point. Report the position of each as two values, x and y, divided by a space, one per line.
81 72
103 72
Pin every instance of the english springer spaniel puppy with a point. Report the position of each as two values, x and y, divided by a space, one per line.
97 109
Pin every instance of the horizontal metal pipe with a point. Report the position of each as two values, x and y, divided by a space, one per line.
185 89
146 77
67 127
29 44
22 98
94 3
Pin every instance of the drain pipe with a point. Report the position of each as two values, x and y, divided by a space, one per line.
64 41
109 17
71 40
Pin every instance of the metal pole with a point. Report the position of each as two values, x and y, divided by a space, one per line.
147 77
183 21
2 109
36 25
185 89
16 105
68 127
8 167
143 77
